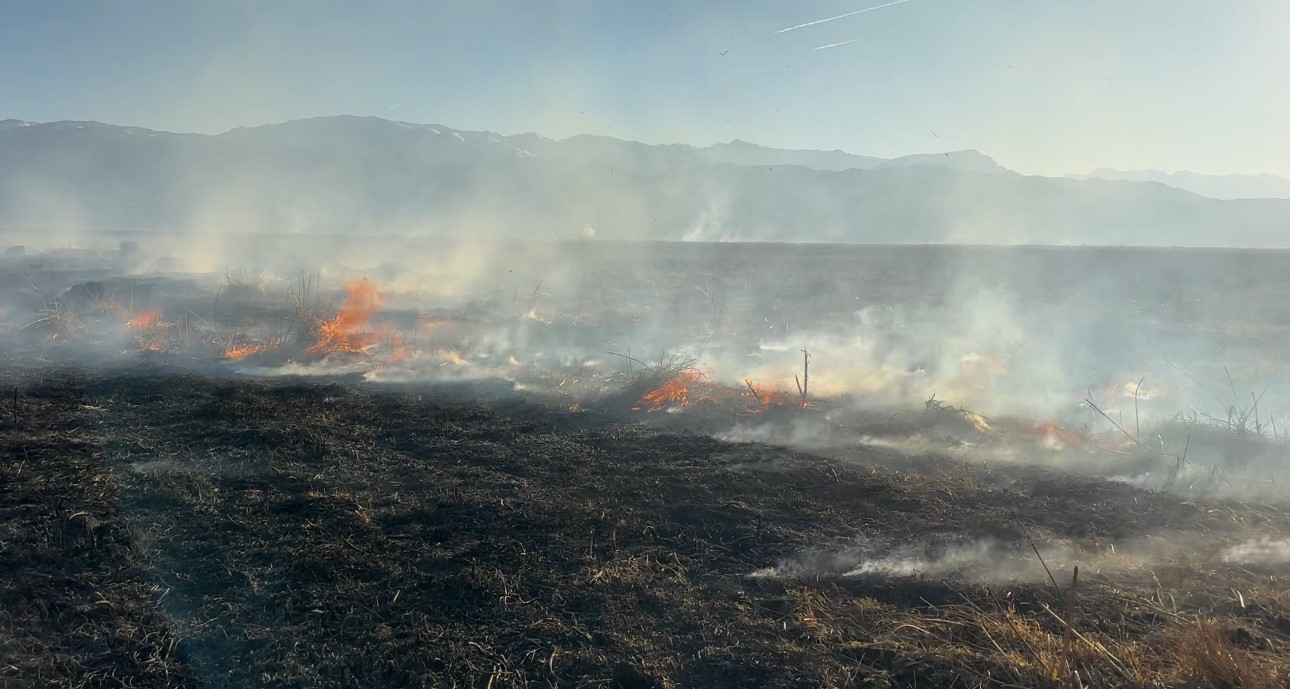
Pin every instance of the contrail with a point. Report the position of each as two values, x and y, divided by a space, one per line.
834 45
840 16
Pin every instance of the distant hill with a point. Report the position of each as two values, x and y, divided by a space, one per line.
365 174
1261 186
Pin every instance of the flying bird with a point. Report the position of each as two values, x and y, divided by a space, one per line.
841 16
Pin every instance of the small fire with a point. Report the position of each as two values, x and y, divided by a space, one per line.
772 398
402 346
1054 436
238 353
401 354
144 319
452 356
344 332
1136 389
978 422
674 393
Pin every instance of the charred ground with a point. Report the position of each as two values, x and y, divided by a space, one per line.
167 529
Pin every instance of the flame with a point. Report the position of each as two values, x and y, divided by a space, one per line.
237 353
771 398
452 356
1135 389
403 349
675 392
1054 436
144 319
344 332
978 422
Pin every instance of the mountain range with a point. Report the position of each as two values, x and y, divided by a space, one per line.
1214 186
365 174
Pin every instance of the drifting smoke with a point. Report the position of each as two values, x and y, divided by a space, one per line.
982 560
1259 551
992 561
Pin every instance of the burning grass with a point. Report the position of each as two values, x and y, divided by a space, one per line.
675 382
239 352
680 390
144 319
347 331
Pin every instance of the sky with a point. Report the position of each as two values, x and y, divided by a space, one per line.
1044 86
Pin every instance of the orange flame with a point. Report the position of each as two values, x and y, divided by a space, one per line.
675 392
400 354
343 333
237 353
771 398
144 319
1051 434
452 356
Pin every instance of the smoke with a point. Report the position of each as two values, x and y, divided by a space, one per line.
983 560
993 561
1258 551
711 224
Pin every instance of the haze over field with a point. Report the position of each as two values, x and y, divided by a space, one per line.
370 175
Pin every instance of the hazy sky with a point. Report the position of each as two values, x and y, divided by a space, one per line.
1044 86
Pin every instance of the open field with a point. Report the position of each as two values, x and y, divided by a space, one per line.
438 476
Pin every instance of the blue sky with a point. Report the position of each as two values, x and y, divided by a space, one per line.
1044 86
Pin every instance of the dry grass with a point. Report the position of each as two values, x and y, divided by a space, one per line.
1207 659
307 305
242 283
640 377
59 321
1004 647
